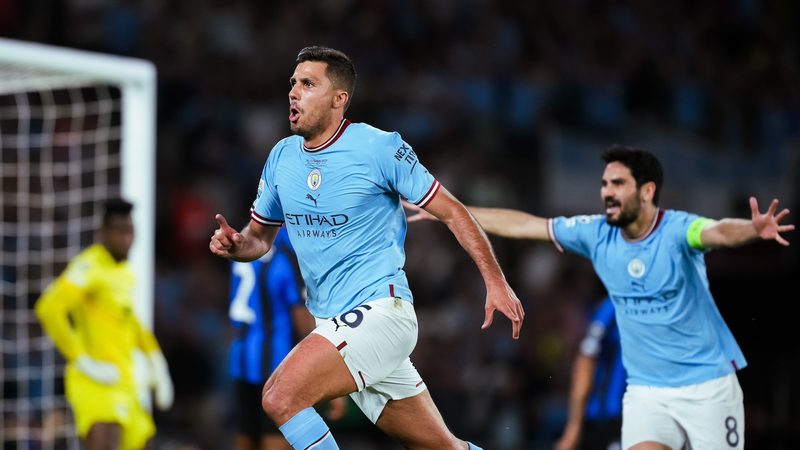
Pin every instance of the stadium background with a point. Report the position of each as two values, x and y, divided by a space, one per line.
508 104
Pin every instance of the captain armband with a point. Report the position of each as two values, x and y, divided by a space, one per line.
695 231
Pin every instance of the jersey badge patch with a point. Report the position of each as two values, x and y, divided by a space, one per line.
636 268
314 179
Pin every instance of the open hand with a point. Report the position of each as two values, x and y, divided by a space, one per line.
767 225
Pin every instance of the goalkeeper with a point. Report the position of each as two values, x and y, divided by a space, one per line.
88 313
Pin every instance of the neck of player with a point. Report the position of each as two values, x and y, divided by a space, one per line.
323 136
643 224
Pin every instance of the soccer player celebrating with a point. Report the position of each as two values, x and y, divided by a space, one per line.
337 187
88 313
680 356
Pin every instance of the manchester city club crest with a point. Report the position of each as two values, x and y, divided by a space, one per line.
636 268
314 179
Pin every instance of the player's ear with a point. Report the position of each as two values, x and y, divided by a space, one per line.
340 99
648 191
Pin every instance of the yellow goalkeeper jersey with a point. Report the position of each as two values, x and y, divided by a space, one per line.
88 310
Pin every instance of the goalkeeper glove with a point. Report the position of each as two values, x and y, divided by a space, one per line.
162 382
141 377
99 371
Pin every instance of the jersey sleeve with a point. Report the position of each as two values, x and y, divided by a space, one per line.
267 209
404 173
575 234
685 228
61 297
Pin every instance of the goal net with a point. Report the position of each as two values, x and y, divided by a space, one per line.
76 128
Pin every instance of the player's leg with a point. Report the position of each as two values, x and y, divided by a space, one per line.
415 422
312 372
712 413
104 436
374 341
269 437
647 423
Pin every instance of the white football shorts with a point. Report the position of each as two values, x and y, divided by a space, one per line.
375 340
708 415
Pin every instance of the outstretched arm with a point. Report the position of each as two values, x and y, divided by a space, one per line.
511 223
737 232
508 223
499 295
253 242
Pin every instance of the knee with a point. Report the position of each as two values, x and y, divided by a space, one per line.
277 406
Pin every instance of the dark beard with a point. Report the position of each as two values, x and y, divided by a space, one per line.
625 219
309 132
304 133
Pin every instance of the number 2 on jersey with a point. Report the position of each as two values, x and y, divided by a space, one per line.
240 310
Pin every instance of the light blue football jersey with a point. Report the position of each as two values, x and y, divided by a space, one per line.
340 202
671 331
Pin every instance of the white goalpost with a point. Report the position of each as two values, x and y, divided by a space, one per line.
76 128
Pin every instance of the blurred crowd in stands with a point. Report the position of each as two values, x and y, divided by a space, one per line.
479 88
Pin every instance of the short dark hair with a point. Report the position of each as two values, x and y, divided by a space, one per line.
340 70
644 166
116 207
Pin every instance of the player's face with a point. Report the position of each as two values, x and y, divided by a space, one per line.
310 99
620 195
117 236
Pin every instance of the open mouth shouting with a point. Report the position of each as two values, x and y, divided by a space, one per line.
294 114
612 207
